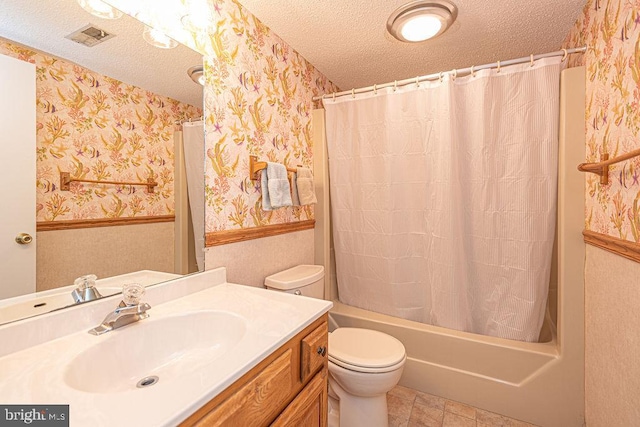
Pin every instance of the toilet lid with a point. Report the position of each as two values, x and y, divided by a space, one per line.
364 348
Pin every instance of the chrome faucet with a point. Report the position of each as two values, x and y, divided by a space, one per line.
85 289
129 310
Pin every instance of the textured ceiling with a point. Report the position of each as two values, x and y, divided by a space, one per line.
347 40
126 57
344 39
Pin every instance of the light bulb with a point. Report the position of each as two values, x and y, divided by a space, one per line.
100 9
158 39
420 28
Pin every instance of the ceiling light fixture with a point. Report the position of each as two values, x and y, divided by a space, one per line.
100 9
197 75
421 20
158 38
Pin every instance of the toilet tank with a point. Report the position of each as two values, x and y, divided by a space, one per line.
307 280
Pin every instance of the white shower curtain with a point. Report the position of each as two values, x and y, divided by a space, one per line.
444 199
193 145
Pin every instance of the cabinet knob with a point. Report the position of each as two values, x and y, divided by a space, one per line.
24 239
322 350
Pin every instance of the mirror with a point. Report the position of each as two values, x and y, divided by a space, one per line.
109 113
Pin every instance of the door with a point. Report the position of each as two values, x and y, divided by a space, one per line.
18 164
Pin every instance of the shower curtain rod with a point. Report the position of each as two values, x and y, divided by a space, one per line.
454 73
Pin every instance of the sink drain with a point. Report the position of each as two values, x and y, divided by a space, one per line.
147 382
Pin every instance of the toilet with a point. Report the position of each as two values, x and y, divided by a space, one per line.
363 364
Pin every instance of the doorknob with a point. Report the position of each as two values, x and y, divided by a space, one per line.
24 238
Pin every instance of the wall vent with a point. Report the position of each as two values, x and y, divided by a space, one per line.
89 35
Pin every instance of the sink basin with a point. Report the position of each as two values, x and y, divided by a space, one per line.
164 348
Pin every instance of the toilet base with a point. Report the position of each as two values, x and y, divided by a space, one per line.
358 412
333 419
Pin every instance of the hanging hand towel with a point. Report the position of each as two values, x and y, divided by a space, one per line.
275 187
294 190
306 191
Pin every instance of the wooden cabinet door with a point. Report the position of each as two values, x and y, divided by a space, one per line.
309 408
255 403
313 352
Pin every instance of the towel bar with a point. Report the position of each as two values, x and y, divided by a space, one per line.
66 180
255 166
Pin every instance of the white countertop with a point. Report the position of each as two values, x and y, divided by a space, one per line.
36 374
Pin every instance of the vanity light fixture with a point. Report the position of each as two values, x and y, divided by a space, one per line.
100 9
196 74
421 20
158 38
199 16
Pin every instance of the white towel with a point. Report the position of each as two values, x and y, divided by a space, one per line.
275 187
294 190
306 191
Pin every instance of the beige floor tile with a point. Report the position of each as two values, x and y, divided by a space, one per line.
399 408
430 400
453 420
403 392
489 419
397 422
518 423
425 416
411 408
427 423
460 409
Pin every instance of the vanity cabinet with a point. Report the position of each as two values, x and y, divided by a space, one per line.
288 388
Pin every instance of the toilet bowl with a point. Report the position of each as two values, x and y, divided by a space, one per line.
363 364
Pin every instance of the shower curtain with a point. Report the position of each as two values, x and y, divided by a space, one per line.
193 145
443 198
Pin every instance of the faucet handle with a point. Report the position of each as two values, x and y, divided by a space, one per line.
132 292
85 289
84 282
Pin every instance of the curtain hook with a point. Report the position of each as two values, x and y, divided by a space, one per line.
473 73
498 66
454 74
395 85
375 89
531 58
334 97
418 81
441 76
353 93
564 56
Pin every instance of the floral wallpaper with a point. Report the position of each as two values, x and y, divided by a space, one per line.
96 127
611 31
258 101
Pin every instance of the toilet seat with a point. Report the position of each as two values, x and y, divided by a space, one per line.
364 350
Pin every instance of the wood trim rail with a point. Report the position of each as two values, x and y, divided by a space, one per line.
217 238
624 248
101 222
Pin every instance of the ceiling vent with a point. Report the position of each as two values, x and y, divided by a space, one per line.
89 35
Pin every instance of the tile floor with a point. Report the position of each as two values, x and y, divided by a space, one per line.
411 408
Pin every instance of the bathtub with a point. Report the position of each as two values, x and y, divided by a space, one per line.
540 383
526 381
